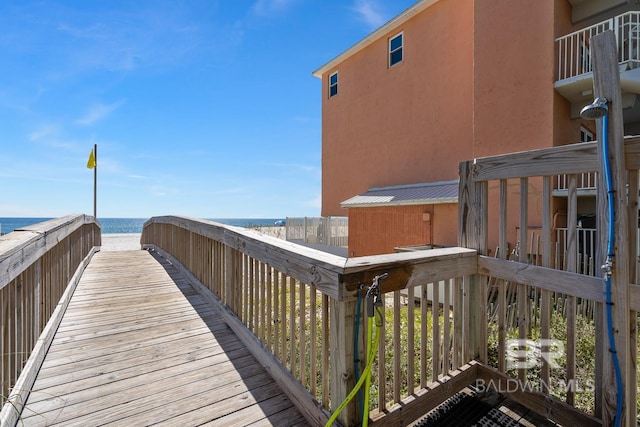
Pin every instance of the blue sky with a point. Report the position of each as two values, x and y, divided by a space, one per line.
199 108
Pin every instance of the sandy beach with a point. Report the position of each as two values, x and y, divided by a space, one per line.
121 242
131 241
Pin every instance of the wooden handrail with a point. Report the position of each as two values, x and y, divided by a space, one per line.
565 159
295 300
332 275
20 249
39 266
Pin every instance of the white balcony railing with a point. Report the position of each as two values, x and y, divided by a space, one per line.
586 181
574 52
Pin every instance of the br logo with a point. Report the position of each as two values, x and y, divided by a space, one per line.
526 354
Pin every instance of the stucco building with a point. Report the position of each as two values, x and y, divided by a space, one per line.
452 80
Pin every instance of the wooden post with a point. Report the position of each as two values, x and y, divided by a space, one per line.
472 233
606 83
342 326
545 295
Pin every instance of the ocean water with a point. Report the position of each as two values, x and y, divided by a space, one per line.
131 225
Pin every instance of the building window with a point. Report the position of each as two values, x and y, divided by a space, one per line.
395 49
333 84
585 135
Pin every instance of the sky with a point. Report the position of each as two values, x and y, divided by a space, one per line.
202 108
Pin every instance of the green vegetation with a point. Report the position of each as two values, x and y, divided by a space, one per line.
583 384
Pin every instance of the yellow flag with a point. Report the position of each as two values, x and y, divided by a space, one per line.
91 163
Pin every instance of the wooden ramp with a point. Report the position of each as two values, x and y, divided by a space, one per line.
138 346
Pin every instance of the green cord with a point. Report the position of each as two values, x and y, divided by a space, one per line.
366 376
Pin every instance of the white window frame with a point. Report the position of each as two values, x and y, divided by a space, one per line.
401 49
586 135
334 85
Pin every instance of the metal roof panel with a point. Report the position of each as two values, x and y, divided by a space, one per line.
414 194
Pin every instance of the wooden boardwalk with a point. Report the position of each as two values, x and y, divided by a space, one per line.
138 346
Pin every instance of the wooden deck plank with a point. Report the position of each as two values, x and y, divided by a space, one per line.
144 410
138 346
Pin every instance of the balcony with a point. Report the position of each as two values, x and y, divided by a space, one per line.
575 67
585 185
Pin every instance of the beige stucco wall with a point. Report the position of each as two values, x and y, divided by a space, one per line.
395 125
477 80
513 76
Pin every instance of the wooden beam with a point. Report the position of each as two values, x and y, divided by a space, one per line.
417 405
566 159
606 84
407 269
529 396
342 324
472 233
579 285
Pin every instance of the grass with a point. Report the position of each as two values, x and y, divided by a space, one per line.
585 360
585 351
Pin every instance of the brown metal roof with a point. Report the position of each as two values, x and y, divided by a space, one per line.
415 194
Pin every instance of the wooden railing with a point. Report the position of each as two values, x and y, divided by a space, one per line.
555 329
38 266
295 308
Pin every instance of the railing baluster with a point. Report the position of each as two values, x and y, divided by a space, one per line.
435 316
446 326
245 290
302 351
277 319
410 340
253 306
292 325
424 336
502 291
325 351
313 356
523 298
283 318
458 340
269 319
397 351
382 373
574 52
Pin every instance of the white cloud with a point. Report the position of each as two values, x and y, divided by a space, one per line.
98 112
368 11
45 131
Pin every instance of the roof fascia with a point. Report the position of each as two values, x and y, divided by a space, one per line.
434 201
384 29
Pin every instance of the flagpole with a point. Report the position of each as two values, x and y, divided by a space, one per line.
95 181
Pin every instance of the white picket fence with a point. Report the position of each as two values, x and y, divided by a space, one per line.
329 230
